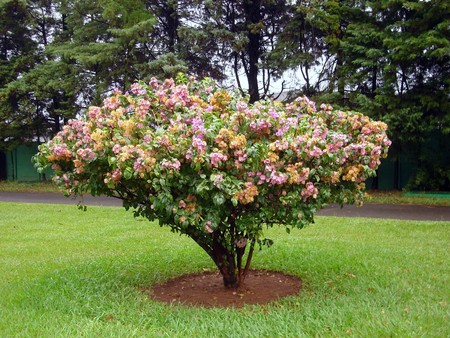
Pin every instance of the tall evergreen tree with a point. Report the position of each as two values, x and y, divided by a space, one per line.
395 66
246 34
17 56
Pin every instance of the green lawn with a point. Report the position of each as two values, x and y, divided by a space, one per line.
399 197
68 273
24 186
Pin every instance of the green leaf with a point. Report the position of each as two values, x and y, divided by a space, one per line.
128 174
218 199
112 160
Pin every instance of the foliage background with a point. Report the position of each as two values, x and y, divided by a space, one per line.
388 59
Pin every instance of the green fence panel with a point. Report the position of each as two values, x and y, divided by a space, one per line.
386 177
407 169
19 165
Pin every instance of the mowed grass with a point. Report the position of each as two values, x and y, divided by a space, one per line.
68 273
400 197
28 186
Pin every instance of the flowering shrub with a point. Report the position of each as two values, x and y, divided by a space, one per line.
208 164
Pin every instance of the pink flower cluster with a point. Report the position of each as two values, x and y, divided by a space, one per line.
309 191
216 158
260 125
171 164
86 154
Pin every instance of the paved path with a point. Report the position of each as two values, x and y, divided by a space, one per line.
394 211
55 198
398 211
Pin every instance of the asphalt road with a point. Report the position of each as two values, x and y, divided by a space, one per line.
397 211
55 198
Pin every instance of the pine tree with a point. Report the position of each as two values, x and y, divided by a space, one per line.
16 57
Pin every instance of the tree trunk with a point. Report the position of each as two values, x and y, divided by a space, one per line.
229 262
253 18
227 251
225 262
172 21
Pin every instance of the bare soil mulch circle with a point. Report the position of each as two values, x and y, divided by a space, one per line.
205 289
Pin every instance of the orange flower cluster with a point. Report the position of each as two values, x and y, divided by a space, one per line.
273 157
238 142
128 126
196 99
297 176
335 177
79 166
223 138
247 195
352 173
97 136
190 206
118 113
220 100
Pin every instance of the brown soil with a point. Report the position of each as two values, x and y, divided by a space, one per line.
206 289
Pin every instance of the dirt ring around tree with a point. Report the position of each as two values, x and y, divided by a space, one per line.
205 289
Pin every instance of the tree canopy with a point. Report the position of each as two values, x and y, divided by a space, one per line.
211 165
